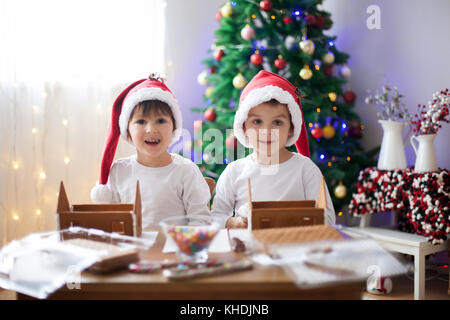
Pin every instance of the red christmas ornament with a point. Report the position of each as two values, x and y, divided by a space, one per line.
328 70
218 54
231 142
287 20
212 70
310 20
210 114
280 63
317 132
319 22
256 59
266 5
355 130
349 96
218 16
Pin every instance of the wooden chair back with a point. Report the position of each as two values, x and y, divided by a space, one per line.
211 184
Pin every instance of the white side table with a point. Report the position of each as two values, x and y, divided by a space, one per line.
402 242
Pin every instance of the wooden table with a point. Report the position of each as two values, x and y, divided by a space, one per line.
259 283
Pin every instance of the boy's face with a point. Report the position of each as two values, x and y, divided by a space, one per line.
268 127
151 133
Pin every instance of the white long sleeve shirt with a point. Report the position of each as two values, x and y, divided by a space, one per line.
176 189
295 179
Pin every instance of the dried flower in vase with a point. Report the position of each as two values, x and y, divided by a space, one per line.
427 121
390 105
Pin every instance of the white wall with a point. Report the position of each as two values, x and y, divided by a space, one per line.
189 35
410 51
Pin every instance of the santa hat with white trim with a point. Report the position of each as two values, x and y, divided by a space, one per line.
264 87
152 88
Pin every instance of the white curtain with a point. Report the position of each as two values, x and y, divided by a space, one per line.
62 63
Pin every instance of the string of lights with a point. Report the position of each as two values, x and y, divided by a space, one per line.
41 133
15 214
34 133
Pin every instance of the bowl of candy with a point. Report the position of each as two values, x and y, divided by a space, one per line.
191 234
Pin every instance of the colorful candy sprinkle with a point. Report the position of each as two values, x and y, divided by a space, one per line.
191 240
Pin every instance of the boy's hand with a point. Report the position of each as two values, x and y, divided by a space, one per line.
236 222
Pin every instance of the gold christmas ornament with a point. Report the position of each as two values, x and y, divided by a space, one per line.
332 96
305 73
227 10
307 46
345 72
328 131
239 81
328 58
340 191
209 91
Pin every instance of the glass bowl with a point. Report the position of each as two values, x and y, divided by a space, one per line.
191 234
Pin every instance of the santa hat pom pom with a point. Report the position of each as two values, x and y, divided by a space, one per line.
101 193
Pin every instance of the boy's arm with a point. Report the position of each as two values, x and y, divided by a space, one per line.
114 180
224 200
196 193
312 178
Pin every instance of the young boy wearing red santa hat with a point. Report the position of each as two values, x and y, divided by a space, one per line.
146 114
269 119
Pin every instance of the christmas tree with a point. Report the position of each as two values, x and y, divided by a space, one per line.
286 37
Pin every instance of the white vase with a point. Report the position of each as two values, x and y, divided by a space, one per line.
392 152
425 155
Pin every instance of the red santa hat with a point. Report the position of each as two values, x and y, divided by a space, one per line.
152 88
264 87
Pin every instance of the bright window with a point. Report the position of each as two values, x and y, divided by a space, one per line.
83 40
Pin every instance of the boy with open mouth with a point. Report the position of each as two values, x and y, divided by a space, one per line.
146 114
